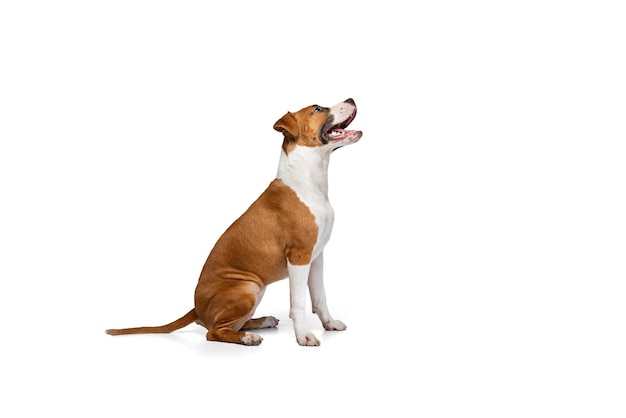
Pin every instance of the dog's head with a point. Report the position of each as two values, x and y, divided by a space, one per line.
317 126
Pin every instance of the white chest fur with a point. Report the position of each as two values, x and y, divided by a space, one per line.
305 170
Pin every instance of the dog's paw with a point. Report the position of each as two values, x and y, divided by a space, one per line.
269 322
251 339
334 325
307 339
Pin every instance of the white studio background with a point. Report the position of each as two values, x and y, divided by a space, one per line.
478 256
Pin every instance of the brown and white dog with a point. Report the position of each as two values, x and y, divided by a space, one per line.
282 234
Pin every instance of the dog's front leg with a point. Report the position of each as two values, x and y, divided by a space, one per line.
298 277
318 296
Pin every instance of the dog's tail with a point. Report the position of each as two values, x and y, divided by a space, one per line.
187 319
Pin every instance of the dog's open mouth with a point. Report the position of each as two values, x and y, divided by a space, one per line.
338 131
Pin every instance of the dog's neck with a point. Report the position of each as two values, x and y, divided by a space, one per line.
305 168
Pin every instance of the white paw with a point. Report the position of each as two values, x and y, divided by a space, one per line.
307 339
334 325
251 339
269 322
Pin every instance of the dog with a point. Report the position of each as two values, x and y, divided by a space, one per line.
282 234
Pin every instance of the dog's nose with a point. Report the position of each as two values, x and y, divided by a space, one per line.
350 101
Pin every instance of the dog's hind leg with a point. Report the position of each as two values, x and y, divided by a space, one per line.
231 311
228 335
263 322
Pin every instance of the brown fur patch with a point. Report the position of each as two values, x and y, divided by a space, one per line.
277 227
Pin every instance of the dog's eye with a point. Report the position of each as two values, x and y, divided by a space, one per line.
317 109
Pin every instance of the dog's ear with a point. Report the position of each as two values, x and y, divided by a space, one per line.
288 125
